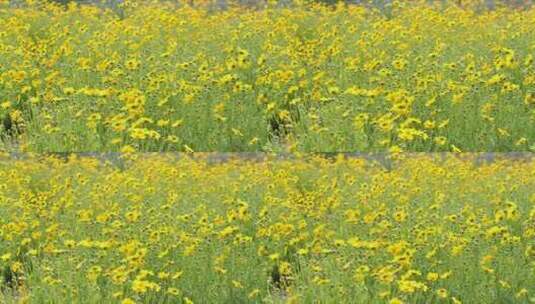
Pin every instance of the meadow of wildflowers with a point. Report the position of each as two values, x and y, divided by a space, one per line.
163 77
305 230
284 78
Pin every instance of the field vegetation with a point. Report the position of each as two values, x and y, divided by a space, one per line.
308 230
147 76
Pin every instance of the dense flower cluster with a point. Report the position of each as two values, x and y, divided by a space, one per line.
418 230
148 77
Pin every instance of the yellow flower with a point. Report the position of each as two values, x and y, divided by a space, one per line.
132 64
127 149
173 291
142 286
432 276
395 301
69 90
5 105
237 284
274 256
188 300
456 301
442 293
128 301
5 257
254 293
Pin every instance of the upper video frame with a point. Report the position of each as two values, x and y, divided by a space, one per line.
268 77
